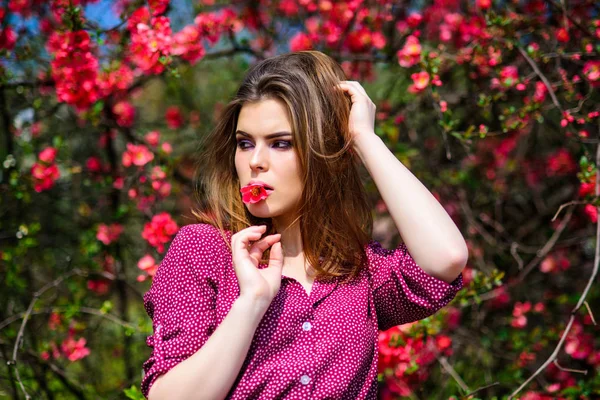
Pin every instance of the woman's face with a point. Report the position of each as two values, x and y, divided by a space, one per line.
265 152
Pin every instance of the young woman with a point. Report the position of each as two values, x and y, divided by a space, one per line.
278 292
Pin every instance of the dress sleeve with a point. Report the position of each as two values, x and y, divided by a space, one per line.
402 291
181 302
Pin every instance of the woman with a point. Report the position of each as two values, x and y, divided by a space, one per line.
279 292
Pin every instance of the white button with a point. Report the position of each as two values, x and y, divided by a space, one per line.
305 379
306 326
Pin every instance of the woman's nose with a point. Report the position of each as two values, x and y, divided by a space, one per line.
259 158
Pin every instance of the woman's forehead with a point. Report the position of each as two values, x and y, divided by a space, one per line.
262 118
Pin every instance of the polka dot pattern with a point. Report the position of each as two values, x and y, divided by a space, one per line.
317 345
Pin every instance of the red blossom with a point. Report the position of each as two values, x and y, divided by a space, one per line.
44 176
592 212
483 4
174 117
116 80
158 7
48 155
159 231
560 162
414 19
99 286
519 322
22 7
74 68
587 188
209 26
8 38
300 41
525 358
501 299
150 40
364 39
288 7
562 35
94 165
540 92
253 193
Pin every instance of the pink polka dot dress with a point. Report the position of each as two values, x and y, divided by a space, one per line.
321 345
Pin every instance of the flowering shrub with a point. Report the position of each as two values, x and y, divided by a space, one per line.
493 105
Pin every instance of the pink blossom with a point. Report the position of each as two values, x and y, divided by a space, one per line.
74 350
148 264
125 113
410 54
108 234
54 321
420 82
152 138
591 70
137 155
187 43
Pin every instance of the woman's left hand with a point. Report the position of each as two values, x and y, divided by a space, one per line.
362 114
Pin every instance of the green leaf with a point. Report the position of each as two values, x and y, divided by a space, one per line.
134 393
106 307
583 162
56 141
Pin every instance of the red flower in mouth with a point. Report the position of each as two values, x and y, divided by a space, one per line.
253 193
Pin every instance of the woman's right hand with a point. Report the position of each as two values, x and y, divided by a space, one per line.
257 284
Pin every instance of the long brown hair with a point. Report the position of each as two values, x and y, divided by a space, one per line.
335 216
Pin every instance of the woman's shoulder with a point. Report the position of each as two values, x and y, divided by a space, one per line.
203 237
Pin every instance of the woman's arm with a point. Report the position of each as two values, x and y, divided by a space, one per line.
429 233
211 371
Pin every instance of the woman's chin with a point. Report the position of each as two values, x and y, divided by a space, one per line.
260 209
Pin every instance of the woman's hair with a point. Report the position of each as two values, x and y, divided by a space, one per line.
334 213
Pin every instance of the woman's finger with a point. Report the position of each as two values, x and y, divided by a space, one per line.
351 91
358 87
259 247
242 242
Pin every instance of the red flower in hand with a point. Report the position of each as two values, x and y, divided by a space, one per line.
253 193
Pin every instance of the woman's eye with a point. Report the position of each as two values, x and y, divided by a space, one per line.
279 144
241 143
284 144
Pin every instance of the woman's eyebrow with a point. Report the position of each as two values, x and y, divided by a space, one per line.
270 136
